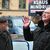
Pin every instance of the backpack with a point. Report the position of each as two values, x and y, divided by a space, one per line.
5 41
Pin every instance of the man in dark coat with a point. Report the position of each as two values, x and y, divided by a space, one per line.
40 36
5 38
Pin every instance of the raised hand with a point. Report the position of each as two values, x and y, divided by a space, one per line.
26 21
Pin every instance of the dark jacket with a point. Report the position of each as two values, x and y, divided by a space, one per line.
5 41
40 36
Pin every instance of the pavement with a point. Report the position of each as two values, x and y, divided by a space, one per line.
19 43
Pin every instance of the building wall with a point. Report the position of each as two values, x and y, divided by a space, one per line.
14 5
14 9
13 13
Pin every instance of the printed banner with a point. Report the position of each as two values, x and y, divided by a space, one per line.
37 6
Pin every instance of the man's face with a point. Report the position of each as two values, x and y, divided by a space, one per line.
3 26
46 16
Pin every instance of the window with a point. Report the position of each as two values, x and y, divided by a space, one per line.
5 4
22 4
